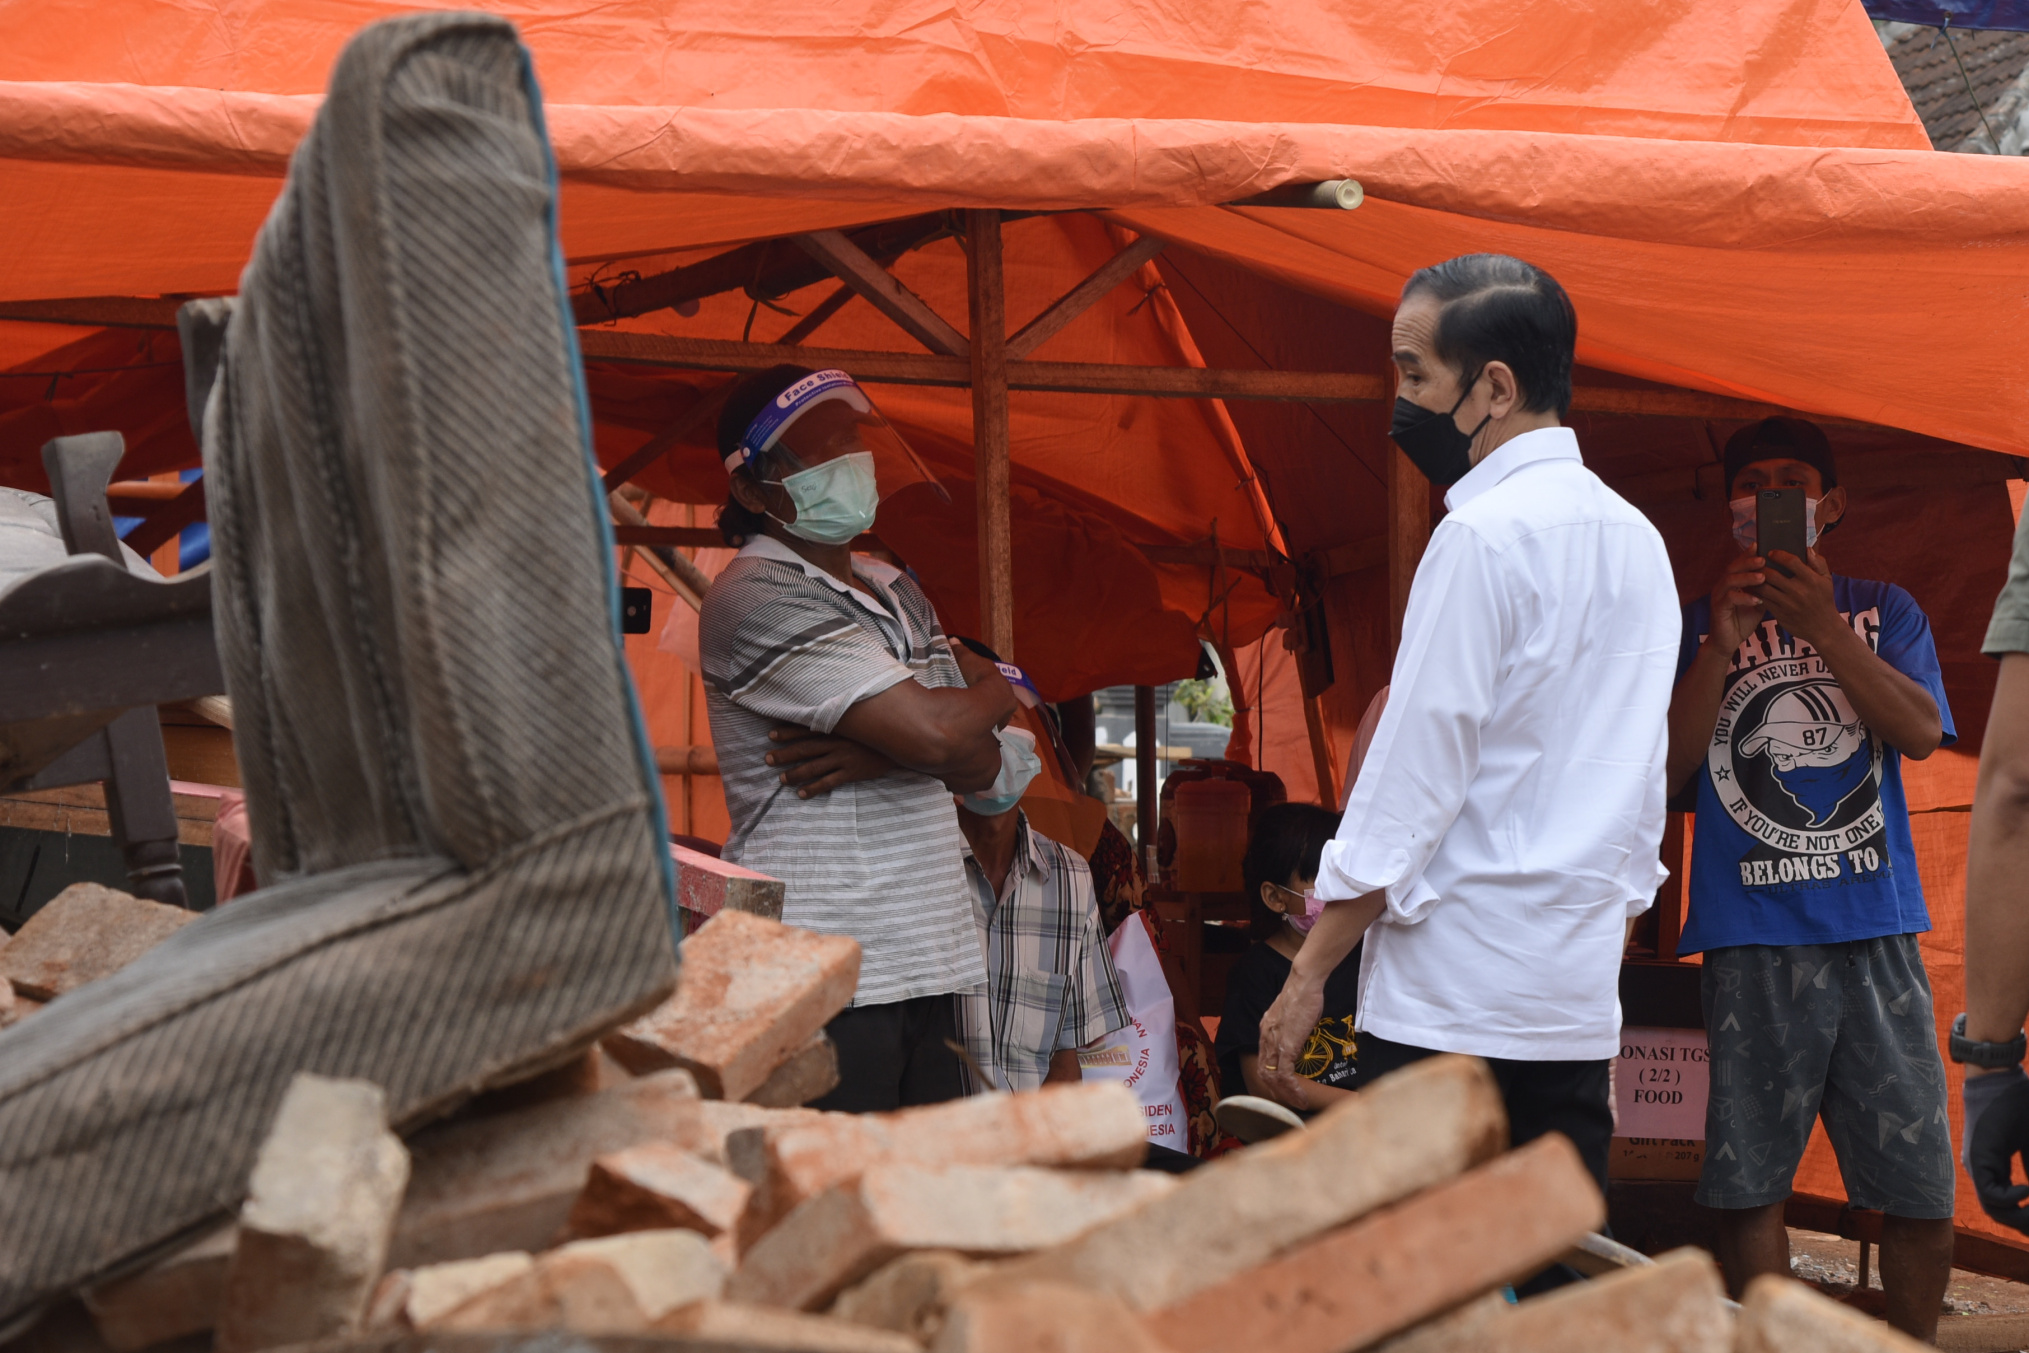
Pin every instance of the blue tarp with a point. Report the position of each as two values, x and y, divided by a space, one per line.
2012 15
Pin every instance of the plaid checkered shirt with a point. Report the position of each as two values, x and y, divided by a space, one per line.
1050 982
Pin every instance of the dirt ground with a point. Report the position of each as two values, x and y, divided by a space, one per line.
1833 1265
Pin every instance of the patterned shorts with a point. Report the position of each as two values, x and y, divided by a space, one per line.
1842 1032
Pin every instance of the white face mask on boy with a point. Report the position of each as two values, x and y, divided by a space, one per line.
1747 536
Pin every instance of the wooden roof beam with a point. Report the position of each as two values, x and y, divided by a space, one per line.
1082 297
853 266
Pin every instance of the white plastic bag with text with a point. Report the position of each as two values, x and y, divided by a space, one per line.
1144 1054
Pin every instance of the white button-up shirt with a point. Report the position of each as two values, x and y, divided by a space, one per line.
1511 805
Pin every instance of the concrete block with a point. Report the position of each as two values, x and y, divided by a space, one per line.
320 1211
708 885
176 1296
507 1182
910 1295
1099 1125
752 992
1778 1315
810 1073
657 1187
1416 1128
845 1233
477 1187
611 1285
1676 1305
432 1292
1046 1318
1353 1286
729 1324
84 933
1464 1330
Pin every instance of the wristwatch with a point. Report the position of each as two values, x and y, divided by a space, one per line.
1993 1056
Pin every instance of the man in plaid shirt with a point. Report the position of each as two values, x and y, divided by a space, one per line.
1050 983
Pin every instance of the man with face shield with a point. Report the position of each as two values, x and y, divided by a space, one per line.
1799 692
1506 821
844 721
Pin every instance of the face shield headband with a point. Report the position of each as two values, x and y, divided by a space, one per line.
823 416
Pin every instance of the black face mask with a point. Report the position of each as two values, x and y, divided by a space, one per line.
1432 440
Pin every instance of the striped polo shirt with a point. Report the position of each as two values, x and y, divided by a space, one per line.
781 641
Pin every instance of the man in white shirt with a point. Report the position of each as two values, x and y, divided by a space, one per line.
1506 823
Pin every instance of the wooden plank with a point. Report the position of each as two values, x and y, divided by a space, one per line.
660 445
687 760
1973 1251
30 813
1196 382
819 313
1204 556
139 493
1408 534
98 312
684 577
883 290
895 368
161 526
1323 755
986 295
1081 298
719 354
1145 749
908 368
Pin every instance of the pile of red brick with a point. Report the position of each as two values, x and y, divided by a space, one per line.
667 1184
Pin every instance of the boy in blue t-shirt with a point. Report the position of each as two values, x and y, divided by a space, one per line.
1798 694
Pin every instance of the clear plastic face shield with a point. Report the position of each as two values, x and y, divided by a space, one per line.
824 441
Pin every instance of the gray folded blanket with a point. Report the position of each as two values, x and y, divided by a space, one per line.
446 774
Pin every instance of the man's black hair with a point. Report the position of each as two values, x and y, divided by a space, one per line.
1781 438
1500 309
1286 838
743 405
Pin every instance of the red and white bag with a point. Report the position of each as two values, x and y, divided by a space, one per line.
1144 1054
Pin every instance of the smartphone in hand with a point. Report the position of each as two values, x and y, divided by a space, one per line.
1779 525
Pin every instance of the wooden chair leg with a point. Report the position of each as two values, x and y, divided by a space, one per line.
143 812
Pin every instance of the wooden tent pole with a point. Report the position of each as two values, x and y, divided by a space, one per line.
1408 533
1145 750
987 351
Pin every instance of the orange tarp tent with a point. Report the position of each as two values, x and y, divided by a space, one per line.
1738 197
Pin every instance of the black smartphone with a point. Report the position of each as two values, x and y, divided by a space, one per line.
1779 524
636 607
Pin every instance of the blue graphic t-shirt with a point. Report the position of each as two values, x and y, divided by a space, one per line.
1802 831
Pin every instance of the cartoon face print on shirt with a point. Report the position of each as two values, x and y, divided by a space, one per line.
1814 744
1795 766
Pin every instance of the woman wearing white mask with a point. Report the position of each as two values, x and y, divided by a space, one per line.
844 722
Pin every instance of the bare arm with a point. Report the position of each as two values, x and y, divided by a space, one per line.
947 733
1307 1094
1694 705
1901 712
1295 1013
1064 1067
1997 860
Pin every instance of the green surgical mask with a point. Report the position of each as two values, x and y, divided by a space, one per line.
834 501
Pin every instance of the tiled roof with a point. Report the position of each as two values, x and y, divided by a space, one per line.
1995 60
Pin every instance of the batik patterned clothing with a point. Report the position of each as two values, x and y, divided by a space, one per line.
1050 981
781 641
